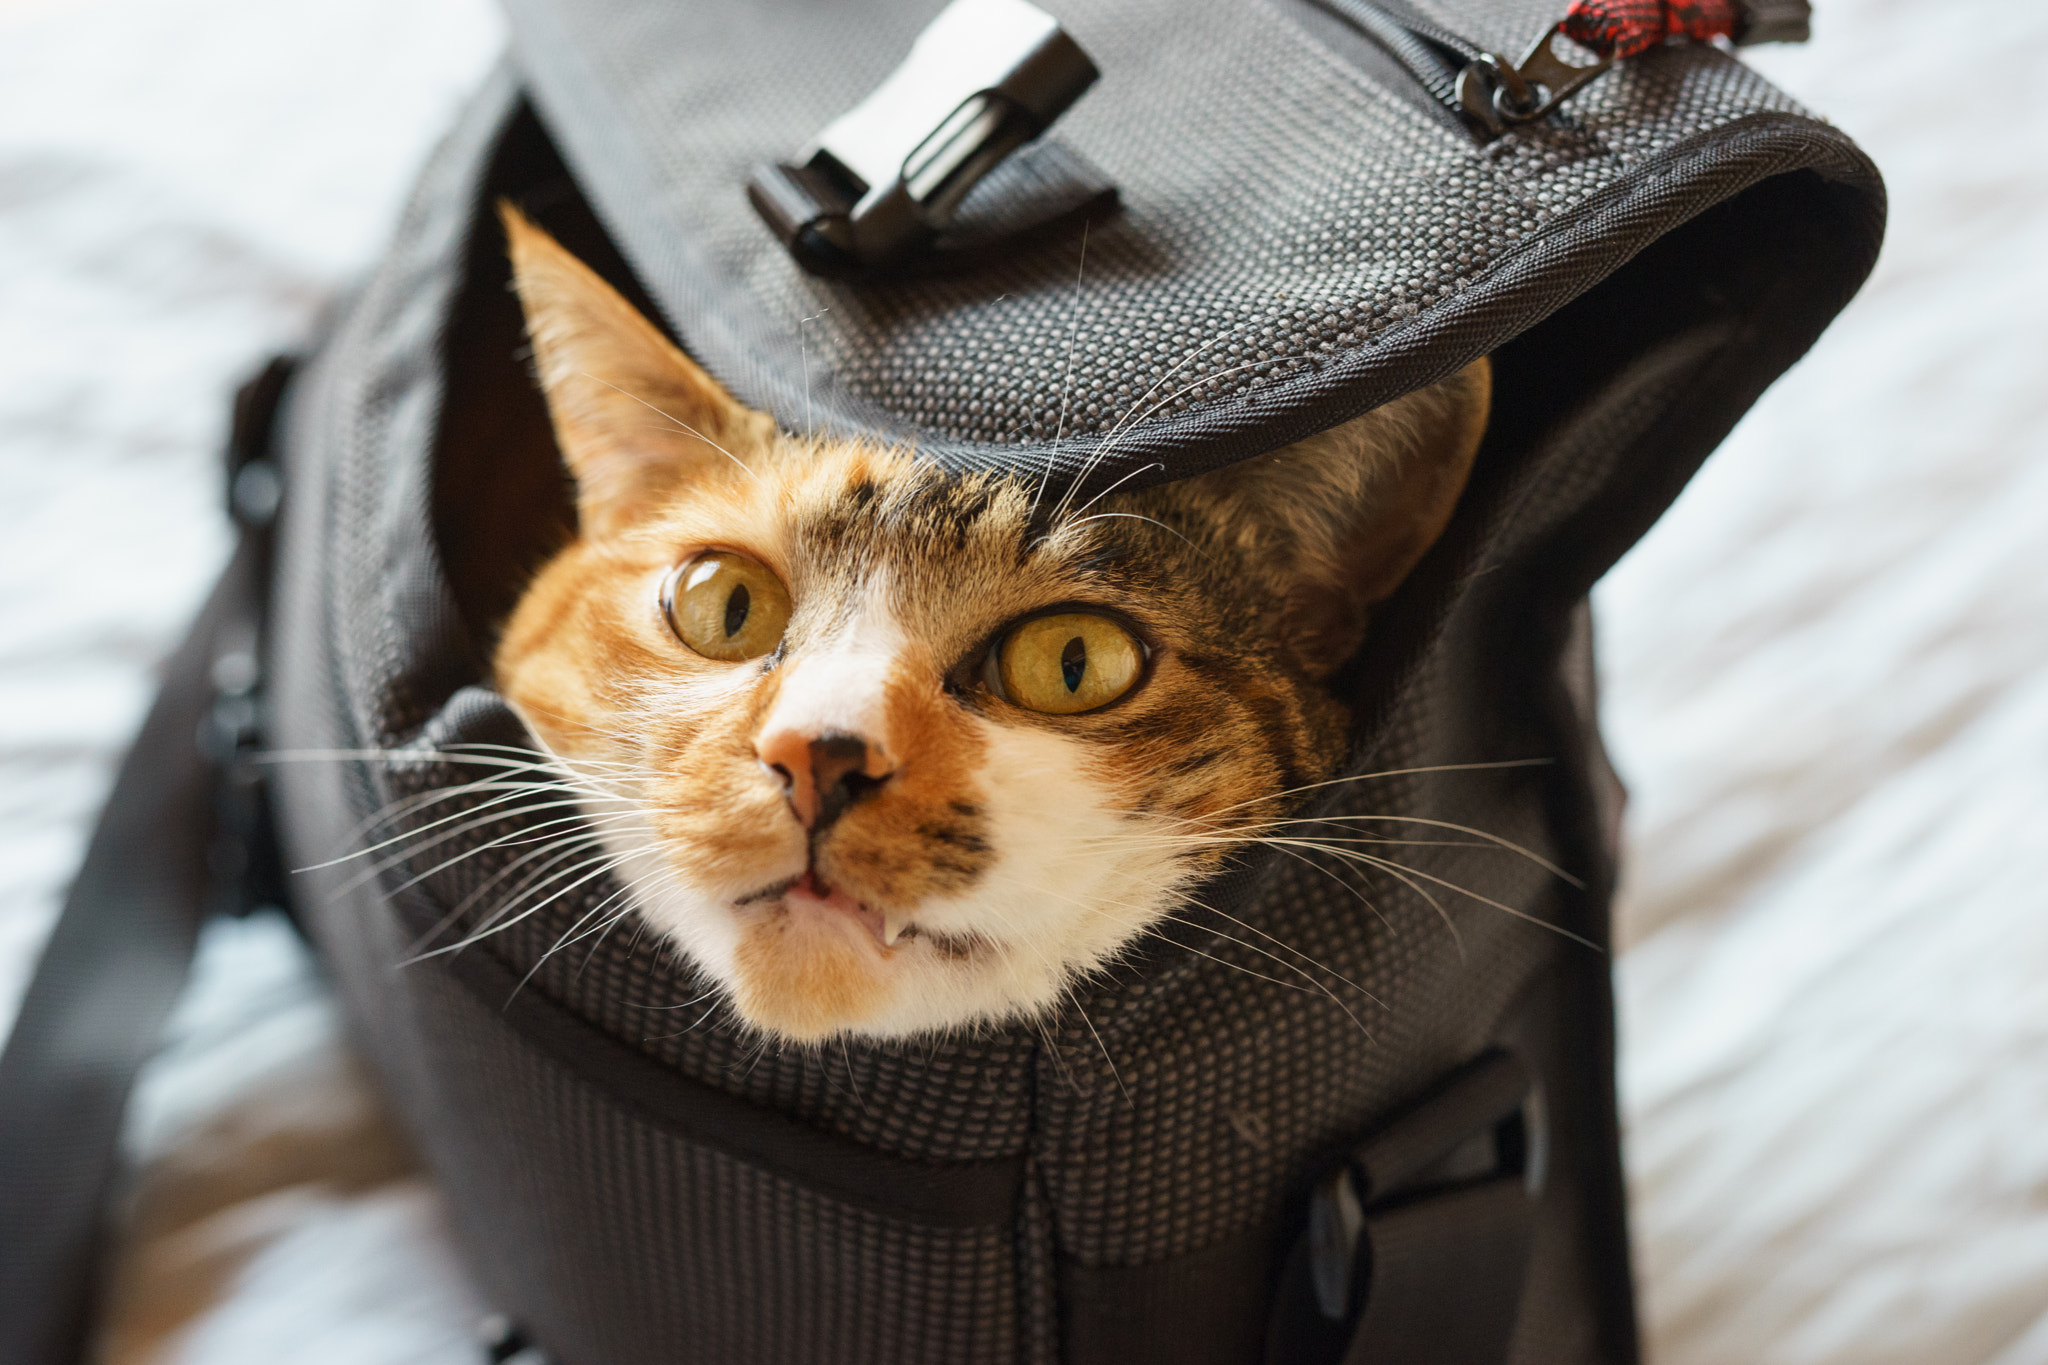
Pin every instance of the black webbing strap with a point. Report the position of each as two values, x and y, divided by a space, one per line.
178 825
1417 1247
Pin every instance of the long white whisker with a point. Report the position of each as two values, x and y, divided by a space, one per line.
1128 476
591 870
1067 379
1131 414
681 425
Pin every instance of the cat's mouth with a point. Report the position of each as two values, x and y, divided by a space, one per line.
888 927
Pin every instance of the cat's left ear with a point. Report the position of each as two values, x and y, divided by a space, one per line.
635 418
1337 521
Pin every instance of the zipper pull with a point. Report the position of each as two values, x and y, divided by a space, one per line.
1498 93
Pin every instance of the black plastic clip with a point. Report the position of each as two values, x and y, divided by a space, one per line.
885 182
1417 1246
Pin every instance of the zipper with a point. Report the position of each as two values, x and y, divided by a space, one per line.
1433 55
1484 91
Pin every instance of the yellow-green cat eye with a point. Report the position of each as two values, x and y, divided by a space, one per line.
1063 665
727 606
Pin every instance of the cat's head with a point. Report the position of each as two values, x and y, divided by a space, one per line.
884 750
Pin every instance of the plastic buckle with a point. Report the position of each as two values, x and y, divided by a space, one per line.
887 177
1417 1245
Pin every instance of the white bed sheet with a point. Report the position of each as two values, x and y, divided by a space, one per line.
1825 684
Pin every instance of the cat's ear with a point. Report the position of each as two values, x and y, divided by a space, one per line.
634 417
1344 517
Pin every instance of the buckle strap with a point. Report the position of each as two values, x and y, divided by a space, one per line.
884 186
1417 1245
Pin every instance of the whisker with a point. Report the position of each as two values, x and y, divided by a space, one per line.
1130 414
681 425
1104 516
1067 378
507 792
567 826
1387 772
1128 476
1398 868
1229 938
528 879
591 870
1109 445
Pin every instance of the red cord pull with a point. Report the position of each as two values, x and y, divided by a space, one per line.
1626 28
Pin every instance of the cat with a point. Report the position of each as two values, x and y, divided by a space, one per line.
886 750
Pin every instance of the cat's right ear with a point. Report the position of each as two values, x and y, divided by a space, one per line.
635 418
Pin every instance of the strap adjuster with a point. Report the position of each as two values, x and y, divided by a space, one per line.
887 178
1417 1245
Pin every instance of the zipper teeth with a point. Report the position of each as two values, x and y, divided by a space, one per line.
1406 15
1421 46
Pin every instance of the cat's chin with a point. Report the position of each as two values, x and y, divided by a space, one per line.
807 967
810 963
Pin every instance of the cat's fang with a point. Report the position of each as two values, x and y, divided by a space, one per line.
893 928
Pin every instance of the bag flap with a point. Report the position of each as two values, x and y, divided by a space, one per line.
1300 240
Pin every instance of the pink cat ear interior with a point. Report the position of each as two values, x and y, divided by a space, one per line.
635 418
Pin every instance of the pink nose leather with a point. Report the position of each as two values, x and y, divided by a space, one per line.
823 774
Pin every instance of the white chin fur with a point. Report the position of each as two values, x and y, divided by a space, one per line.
1064 896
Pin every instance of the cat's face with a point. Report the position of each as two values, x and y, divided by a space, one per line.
885 751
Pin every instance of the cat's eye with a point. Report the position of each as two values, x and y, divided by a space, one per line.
1069 663
727 606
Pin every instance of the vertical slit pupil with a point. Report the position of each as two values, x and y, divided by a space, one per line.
1074 663
736 608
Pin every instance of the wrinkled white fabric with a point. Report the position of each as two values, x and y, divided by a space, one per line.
1826 674
1827 677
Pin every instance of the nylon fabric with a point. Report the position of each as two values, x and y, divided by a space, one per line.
1298 252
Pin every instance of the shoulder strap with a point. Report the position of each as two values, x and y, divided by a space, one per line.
117 959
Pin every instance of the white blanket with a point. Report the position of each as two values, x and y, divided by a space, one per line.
1825 684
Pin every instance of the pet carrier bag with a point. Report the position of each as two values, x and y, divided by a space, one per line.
1257 219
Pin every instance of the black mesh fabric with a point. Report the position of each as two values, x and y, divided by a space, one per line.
633 1174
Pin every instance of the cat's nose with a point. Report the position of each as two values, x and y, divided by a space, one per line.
823 774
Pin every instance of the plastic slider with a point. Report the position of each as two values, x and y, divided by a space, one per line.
887 178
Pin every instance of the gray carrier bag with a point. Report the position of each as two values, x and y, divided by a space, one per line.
1293 211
